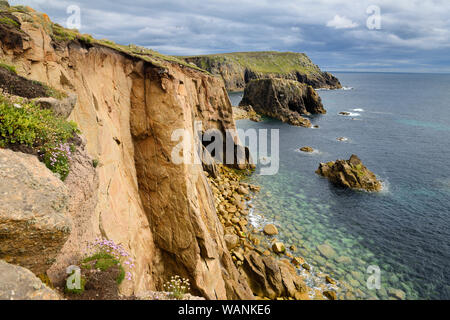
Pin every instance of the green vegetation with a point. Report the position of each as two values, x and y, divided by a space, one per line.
95 163
40 131
177 287
21 9
262 62
9 21
104 261
10 68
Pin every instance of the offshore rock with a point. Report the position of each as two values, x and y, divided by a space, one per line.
350 174
285 100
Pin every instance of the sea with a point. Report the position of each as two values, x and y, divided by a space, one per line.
387 245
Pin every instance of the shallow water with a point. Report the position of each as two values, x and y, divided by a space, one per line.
400 128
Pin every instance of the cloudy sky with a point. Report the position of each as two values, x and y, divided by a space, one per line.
407 35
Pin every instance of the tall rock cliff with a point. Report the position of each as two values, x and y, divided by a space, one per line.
129 103
239 68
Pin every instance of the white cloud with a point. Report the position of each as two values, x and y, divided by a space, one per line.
339 22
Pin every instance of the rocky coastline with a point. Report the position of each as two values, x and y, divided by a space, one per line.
239 68
272 268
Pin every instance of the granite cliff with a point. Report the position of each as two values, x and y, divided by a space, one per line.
129 101
239 68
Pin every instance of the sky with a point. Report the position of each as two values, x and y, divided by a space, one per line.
338 35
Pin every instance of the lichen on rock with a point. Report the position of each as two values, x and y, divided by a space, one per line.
350 174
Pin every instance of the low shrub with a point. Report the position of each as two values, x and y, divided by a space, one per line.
25 124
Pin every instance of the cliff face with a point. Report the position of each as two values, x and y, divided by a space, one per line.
281 99
127 109
237 69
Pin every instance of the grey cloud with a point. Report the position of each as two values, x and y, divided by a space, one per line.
416 31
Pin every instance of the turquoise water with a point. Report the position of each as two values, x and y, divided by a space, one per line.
400 128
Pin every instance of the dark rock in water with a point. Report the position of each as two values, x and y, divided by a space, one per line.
344 113
285 100
307 149
350 173
330 295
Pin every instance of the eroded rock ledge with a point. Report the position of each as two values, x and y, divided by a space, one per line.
285 100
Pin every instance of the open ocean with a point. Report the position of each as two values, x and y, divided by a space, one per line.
400 128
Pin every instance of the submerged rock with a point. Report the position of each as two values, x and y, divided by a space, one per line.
281 99
270 230
350 174
327 251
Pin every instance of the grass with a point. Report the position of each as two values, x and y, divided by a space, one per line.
9 21
8 67
262 62
104 261
25 124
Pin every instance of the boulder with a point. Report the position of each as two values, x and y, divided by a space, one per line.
282 99
350 174
62 108
271 278
17 283
270 230
278 247
34 224
330 295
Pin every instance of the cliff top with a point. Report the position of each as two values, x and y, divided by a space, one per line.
262 61
59 34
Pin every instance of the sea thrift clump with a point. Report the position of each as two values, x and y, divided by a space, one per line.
177 286
57 158
117 251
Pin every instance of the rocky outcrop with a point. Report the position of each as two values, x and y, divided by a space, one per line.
350 174
128 107
246 112
285 100
238 69
62 108
34 224
271 278
17 283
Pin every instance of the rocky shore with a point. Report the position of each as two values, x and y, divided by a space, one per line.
272 268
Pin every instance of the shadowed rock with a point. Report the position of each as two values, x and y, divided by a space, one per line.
285 100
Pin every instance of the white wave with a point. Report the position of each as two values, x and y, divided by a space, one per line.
350 114
347 88
358 110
